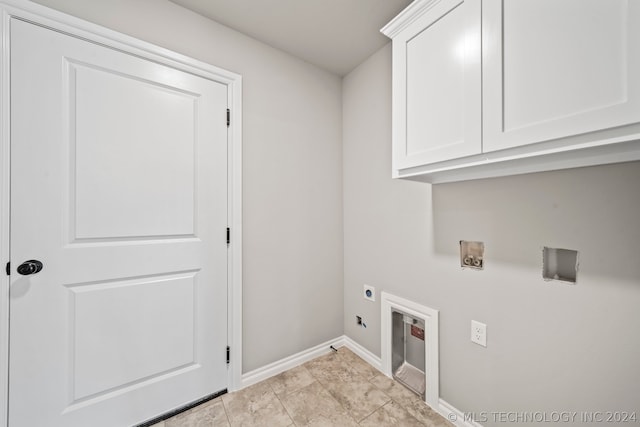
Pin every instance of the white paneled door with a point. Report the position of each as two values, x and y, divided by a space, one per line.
119 189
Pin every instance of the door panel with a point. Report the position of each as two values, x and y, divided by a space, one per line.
557 68
119 169
437 96
432 125
126 331
153 131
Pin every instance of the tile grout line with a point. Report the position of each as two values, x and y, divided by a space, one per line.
321 384
398 402
389 401
317 380
381 406
368 380
226 413
342 360
293 422
338 402
282 404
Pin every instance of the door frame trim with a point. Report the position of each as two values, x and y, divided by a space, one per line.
62 22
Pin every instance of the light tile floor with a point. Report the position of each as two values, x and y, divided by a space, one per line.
338 389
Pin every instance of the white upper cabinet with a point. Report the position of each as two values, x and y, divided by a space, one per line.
557 68
487 88
437 84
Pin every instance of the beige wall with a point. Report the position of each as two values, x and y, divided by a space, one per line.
551 346
291 171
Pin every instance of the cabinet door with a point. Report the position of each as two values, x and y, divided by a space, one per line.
557 68
437 85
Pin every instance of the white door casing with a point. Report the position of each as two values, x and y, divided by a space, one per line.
108 260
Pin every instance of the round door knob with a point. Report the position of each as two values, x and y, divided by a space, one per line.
29 267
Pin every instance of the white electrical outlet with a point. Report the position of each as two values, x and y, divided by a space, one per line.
479 333
369 293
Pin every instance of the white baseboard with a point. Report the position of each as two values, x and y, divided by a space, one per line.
297 359
287 363
455 416
365 354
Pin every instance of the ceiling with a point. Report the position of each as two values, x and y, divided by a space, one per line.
336 35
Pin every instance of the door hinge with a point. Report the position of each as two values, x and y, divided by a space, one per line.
228 236
8 269
228 117
228 355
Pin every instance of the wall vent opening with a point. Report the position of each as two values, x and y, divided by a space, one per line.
410 346
560 264
408 351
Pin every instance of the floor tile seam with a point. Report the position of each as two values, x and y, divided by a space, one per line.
397 401
305 386
297 389
346 409
357 379
285 394
407 411
411 413
357 375
355 369
331 396
322 381
372 412
226 412
392 399
311 373
394 381
293 422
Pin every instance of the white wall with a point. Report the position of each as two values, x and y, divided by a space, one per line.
551 346
292 172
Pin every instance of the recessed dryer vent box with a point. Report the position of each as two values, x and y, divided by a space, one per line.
472 254
408 352
560 264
